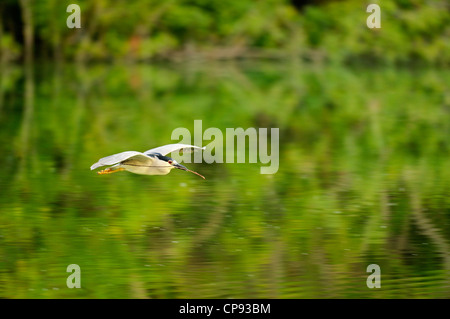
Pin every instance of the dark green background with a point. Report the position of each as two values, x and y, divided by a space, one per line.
364 118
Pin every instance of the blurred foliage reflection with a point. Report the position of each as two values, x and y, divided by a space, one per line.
364 178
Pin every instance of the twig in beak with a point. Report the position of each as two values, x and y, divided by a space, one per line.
188 170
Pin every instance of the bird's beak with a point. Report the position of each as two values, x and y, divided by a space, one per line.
179 166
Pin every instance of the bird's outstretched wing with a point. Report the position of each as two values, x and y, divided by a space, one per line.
169 148
117 158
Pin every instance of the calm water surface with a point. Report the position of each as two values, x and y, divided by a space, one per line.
364 179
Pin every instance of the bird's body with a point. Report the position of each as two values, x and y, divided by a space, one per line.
151 162
139 167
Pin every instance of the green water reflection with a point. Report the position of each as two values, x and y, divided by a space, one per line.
363 179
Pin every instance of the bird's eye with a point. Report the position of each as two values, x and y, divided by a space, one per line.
170 162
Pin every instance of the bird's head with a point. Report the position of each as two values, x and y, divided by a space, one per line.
174 164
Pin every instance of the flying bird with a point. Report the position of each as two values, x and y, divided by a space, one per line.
151 162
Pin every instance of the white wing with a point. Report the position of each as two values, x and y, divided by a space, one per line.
166 149
117 158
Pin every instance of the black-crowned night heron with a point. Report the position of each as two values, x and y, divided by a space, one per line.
151 162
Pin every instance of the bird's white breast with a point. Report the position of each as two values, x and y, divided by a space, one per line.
148 170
